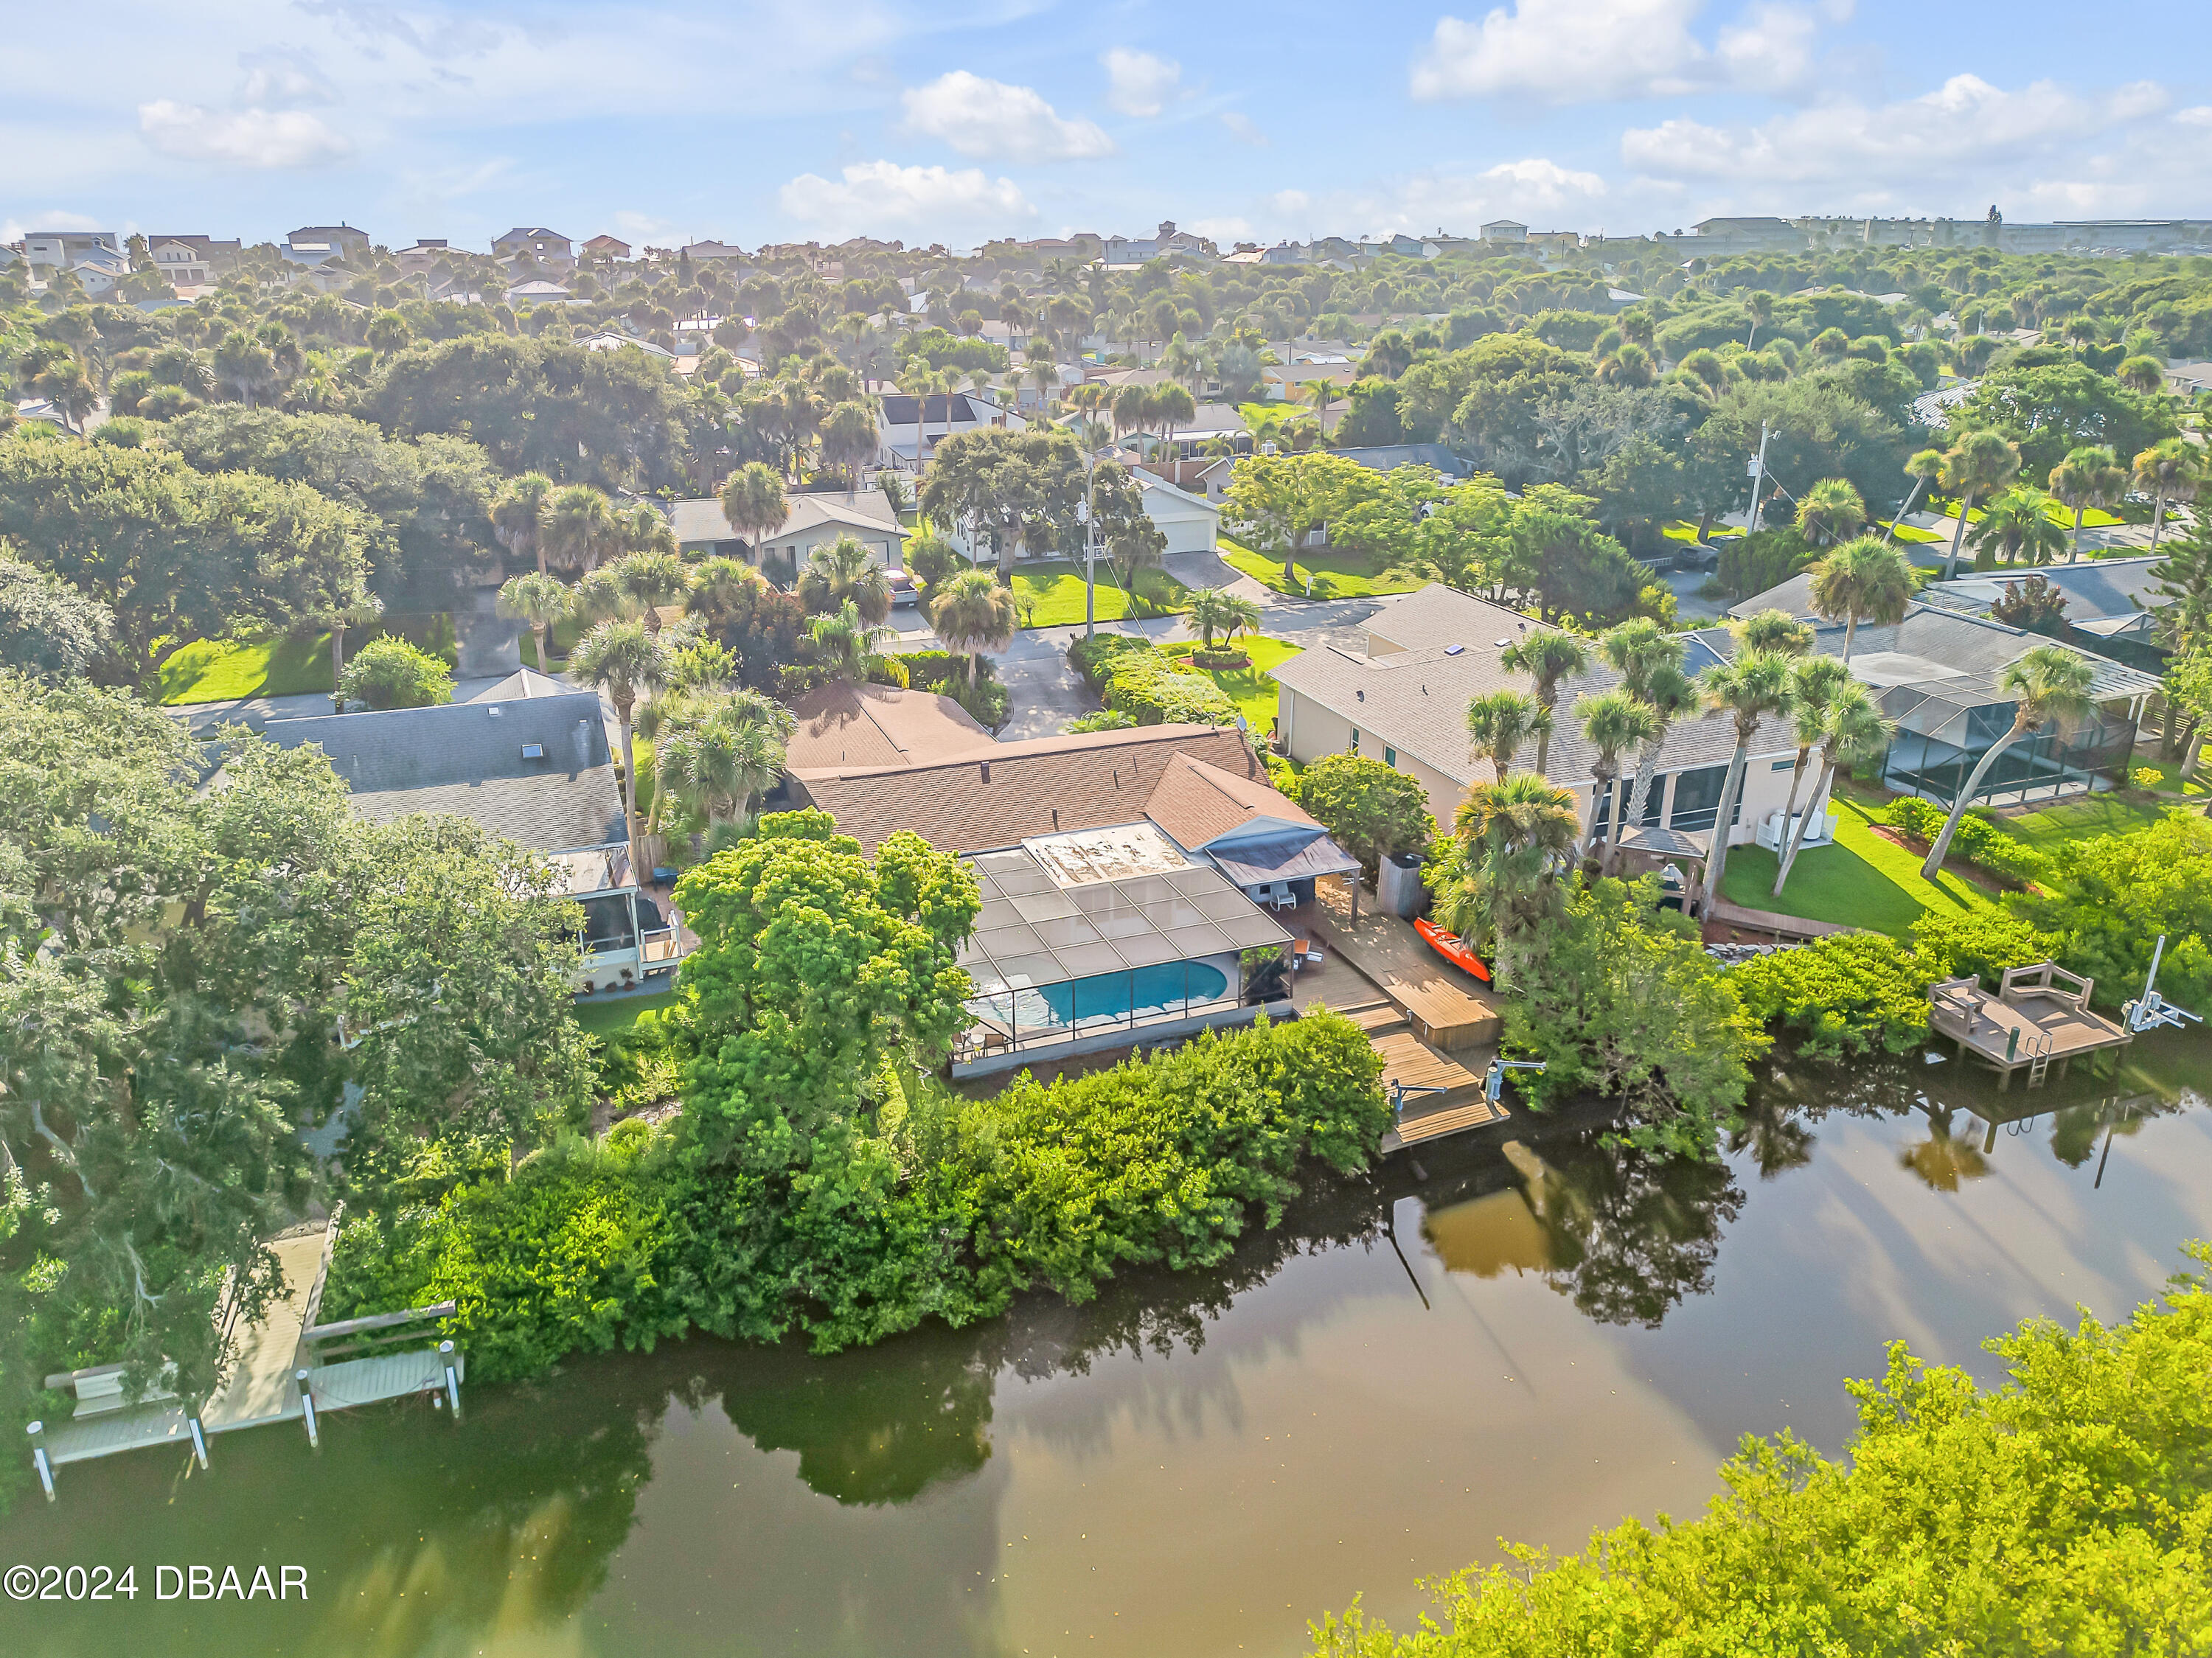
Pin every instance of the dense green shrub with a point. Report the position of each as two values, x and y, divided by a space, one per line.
935 670
2110 897
1981 942
1978 842
939 1206
1094 657
1369 809
1136 677
2066 1507
1844 993
569 1255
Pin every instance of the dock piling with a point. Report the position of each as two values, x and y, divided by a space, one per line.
37 1430
452 1379
199 1441
307 1410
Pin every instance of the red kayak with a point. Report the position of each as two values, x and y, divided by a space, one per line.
1448 945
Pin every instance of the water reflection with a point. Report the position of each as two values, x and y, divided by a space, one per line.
1301 1417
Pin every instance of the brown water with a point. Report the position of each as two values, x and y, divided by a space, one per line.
1194 1464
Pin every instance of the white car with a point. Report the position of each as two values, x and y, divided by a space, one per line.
902 585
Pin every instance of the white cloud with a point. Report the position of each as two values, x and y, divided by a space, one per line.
1565 51
240 137
1574 51
1241 129
989 119
14 230
1966 124
1137 83
278 78
2199 115
1290 203
872 194
1229 229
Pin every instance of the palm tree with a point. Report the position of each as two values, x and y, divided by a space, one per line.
70 390
1212 611
580 528
650 580
1181 365
625 662
1852 732
1499 724
2049 686
362 610
1670 695
2144 375
1758 305
1517 831
1923 468
753 503
2014 523
541 602
1547 656
843 572
518 517
973 613
715 754
1612 721
1977 465
848 439
2091 475
717 586
1830 511
1753 685
1172 406
1776 631
645 530
1320 392
1862 580
1132 409
1630 365
1813 683
2169 469
846 642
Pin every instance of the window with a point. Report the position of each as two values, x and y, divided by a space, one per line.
1698 798
1389 756
1355 739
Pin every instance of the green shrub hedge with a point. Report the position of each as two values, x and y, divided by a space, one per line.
1136 677
1844 993
955 1206
1978 842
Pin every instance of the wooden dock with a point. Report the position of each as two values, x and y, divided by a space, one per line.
1446 1008
1449 1098
267 1357
2039 1017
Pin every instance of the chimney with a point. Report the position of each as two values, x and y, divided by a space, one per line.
1055 820
986 771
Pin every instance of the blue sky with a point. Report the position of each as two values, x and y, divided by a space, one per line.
757 120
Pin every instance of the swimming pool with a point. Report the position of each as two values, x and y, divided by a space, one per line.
1144 990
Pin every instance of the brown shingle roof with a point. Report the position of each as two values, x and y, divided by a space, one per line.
1196 802
1041 786
842 725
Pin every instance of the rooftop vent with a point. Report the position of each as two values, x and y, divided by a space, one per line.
986 771
1454 650
533 750
493 712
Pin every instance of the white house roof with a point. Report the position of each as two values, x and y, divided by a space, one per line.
866 514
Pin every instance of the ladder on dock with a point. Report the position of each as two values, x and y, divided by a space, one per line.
2039 1059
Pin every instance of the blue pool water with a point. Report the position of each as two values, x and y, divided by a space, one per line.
1112 995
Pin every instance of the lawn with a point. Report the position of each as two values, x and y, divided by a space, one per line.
2070 820
1054 588
618 1013
1860 881
225 671
1253 690
565 634
1332 573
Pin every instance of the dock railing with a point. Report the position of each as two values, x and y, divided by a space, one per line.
379 1333
2048 978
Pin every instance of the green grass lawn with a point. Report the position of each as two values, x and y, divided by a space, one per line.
1253 690
1908 532
1861 880
1054 588
612 1016
1334 574
565 634
2070 820
224 671
2169 776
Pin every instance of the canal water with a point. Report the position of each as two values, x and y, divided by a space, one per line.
1525 1335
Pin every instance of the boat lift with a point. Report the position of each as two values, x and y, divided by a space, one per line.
2152 1011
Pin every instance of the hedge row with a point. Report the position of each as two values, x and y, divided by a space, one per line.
1978 840
1136 677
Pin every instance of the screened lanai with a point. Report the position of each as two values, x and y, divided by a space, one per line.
1110 929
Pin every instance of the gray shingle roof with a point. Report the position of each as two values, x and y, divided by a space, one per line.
1415 700
2099 588
866 514
467 759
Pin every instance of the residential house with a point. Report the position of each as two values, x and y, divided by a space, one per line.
1506 232
316 244
549 248
529 761
190 261
1939 673
2111 605
604 248
1122 875
613 339
911 428
99 269
700 528
48 250
538 292
425 256
1126 250
875 726
1190 519
1287 254
1387 457
1403 700
713 252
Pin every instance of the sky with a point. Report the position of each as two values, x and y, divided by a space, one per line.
961 120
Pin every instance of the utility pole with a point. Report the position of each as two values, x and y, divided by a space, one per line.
1090 547
1758 480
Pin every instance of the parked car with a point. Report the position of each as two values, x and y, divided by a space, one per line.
902 585
1698 555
